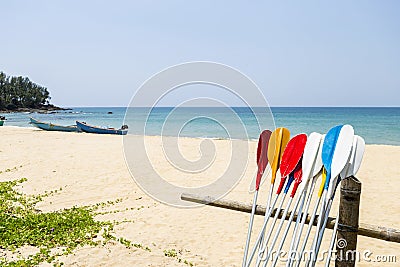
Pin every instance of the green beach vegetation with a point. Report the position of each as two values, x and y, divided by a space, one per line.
20 92
50 234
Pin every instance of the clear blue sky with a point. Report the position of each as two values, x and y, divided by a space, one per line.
300 53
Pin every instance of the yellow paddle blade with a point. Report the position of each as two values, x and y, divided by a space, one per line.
321 188
277 143
284 141
271 152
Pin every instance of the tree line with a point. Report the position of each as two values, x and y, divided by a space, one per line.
20 92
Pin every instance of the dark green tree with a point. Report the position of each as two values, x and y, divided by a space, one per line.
20 92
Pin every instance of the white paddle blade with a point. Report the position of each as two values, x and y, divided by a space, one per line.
360 149
342 151
346 170
310 156
266 174
318 163
341 156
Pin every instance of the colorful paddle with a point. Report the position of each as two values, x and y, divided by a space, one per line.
252 186
302 215
277 144
290 159
267 169
335 154
297 173
351 169
314 214
328 149
262 161
311 165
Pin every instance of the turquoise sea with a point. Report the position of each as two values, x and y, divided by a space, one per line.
377 125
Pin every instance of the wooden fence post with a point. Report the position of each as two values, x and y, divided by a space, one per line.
346 243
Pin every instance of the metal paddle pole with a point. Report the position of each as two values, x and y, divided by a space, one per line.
253 210
253 252
264 245
300 221
266 212
332 244
300 215
314 214
296 175
262 163
311 164
283 239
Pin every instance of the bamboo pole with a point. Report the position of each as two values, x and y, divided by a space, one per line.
368 230
346 244
238 206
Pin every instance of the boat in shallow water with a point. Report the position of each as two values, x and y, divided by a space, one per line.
84 127
53 127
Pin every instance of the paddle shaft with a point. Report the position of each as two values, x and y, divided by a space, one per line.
310 225
324 217
285 233
300 198
299 228
278 231
253 210
319 223
264 245
261 232
328 259
271 191
299 217
322 230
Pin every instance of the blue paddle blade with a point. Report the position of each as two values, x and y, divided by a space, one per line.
289 182
328 149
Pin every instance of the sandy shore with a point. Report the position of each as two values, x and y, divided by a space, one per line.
91 169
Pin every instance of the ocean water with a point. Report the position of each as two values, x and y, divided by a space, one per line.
377 125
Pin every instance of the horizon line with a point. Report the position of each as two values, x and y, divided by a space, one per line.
233 107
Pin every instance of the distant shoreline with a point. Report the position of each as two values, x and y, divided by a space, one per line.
375 125
43 109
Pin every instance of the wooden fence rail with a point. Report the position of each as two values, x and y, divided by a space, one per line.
364 229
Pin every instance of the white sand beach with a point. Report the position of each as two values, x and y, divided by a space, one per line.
91 169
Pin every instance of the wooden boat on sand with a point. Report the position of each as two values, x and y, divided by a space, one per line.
53 127
84 127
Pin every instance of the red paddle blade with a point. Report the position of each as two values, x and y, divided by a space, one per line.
292 154
262 159
291 157
263 141
298 175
